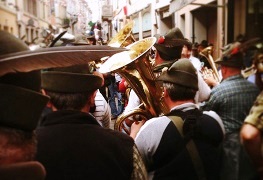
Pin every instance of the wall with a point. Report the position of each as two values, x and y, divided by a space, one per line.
8 21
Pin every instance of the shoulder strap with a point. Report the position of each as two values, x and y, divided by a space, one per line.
191 148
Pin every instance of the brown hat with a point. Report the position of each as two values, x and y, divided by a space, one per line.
170 45
232 56
203 43
182 73
21 103
73 79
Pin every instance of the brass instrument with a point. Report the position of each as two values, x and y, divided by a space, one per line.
124 37
248 71
134 65
207 53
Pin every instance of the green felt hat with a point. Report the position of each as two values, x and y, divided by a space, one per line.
21 101
170 45
182 73
20 108
73 79
232 56
159 67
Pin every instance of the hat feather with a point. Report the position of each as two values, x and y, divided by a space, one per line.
249 43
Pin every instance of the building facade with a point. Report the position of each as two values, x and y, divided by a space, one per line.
36 21
217 21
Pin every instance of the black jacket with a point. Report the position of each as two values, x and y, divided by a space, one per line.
72 145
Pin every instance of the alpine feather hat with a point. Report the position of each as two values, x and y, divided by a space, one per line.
170 45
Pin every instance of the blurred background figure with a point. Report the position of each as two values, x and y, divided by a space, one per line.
195 50
251 132
115 99
201 47
188 53
232 100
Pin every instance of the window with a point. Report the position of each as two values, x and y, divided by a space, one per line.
146 21
30 6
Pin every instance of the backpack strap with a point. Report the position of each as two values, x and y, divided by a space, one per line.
191 148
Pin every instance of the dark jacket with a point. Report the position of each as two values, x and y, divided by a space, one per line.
72 145
207 136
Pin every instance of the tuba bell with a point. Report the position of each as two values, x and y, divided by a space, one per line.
207 53
124 37
135 66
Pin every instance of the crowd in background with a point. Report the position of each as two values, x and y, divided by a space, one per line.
55 121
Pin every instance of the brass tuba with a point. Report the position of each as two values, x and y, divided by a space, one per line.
135 66
124 37
207 53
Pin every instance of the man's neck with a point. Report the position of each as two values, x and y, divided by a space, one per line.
231 74
229 71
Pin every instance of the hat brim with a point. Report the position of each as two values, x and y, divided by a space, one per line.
20 108
70 82
235 61
80 43
182 73
175 78
169 53
54 57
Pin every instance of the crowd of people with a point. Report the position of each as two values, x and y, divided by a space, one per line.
55 122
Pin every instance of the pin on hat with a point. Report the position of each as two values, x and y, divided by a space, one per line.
182 73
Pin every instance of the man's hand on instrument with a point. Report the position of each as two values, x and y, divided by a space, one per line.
136 126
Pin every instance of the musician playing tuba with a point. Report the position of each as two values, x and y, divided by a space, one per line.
167 50
183 144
